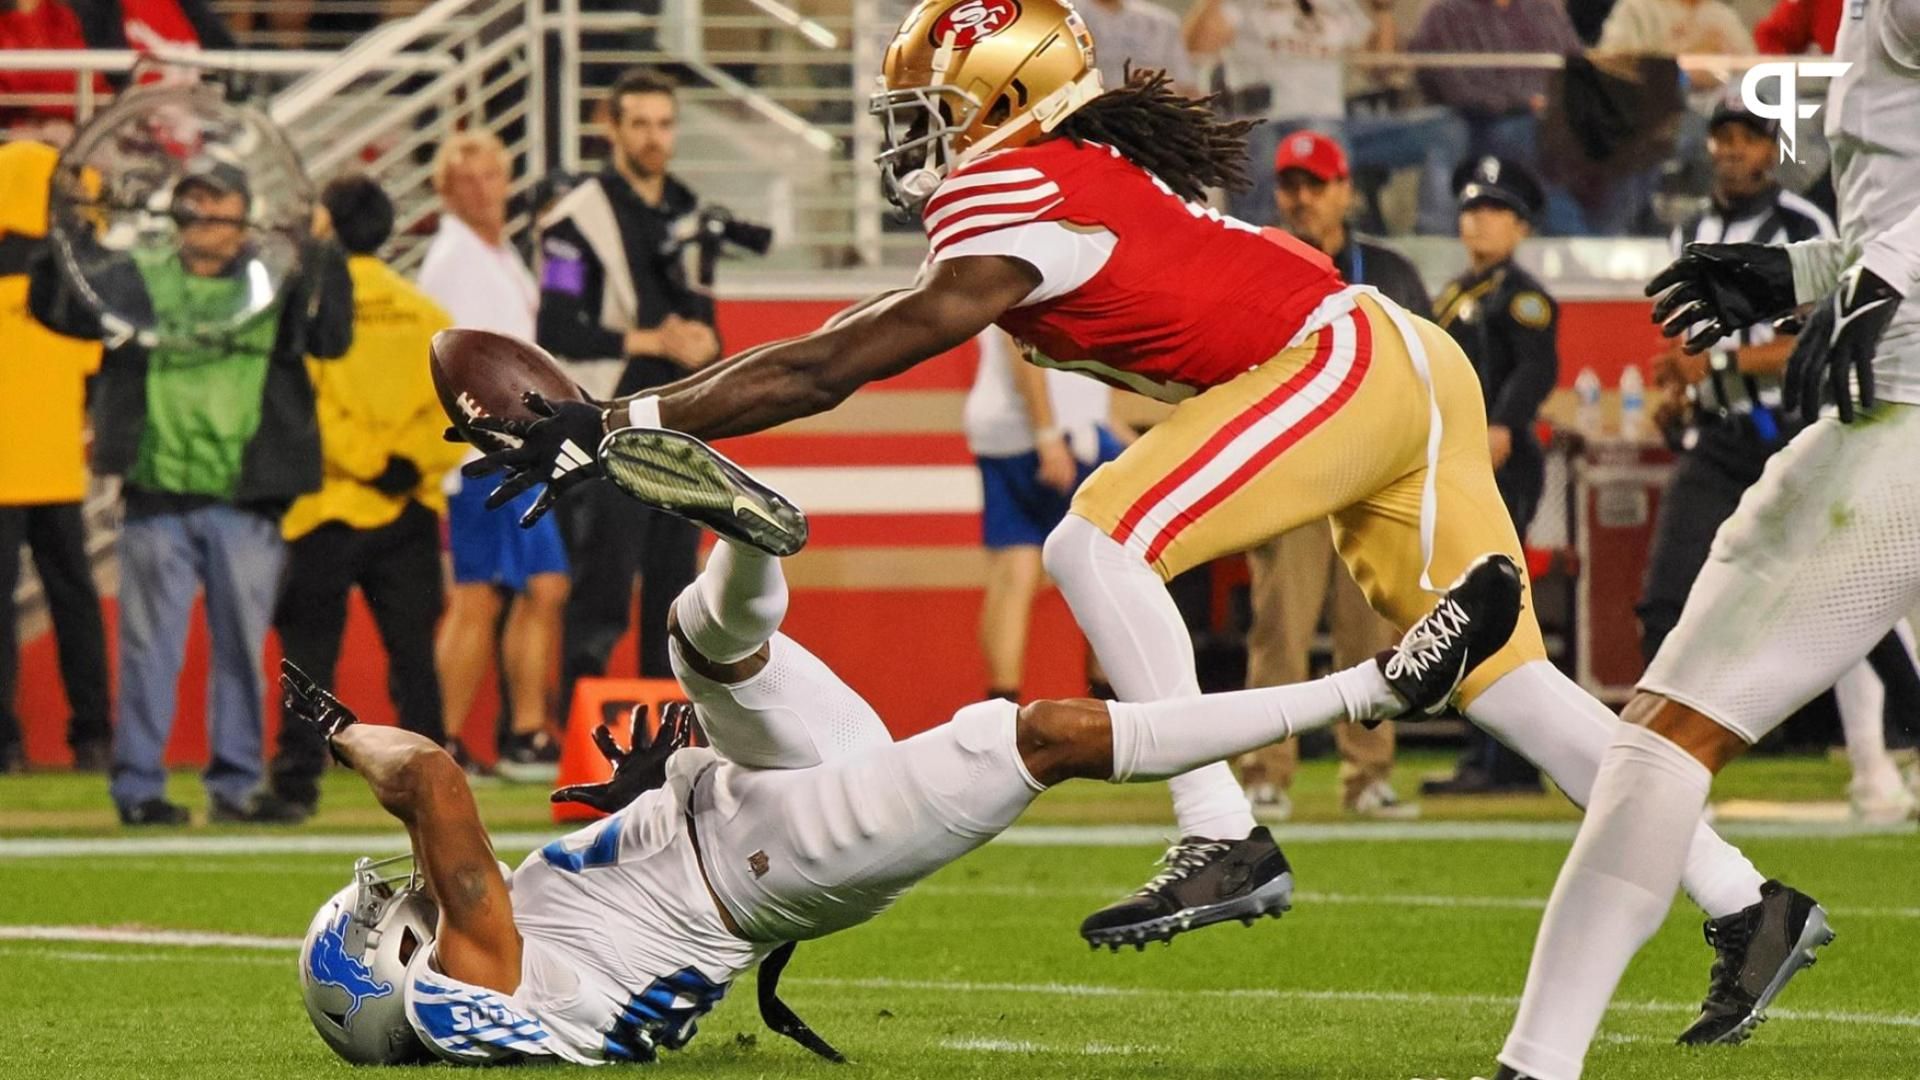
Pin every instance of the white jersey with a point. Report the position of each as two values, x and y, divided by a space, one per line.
1873 123
623 948
996 418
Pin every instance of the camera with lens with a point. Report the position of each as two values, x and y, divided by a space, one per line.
710 230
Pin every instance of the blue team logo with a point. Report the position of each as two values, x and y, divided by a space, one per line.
330 965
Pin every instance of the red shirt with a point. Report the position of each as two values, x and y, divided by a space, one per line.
156 24
1794 24
1140 288
52 25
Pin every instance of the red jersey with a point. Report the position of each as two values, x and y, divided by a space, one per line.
1140 288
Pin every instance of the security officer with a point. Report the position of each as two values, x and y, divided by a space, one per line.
1505 323
617 308
1293 577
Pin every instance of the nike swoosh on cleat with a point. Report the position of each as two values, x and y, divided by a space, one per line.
744 505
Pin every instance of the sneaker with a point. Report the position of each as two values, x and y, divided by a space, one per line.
1759 949
1270 802
1204 882
682 475
92 756
1472 621
1893 805
260 808
155 811
478 772
13 759
529 759
1378 800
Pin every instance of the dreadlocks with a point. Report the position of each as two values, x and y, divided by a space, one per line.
1177 139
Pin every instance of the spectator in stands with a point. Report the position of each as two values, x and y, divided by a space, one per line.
1295 576
1501 106
1136 34
1673 27
375 522
617 307
153 25
43 474
40 24
1507 324
1279 60
214 441
1035 434
475 274
1794 25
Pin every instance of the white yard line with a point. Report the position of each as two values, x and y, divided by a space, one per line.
979 1045
194 939
1094 836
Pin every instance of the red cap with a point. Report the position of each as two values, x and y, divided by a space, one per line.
1314 152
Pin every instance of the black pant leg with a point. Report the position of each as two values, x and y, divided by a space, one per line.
604 532
57 533
1701 496
311 618
401 581
13 533
667 565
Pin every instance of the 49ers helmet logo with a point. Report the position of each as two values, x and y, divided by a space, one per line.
973 22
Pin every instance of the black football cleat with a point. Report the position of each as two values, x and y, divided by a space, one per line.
1204 882
1761 948
1472 621
684 476
1508 1072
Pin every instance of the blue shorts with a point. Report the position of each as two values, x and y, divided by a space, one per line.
1017 510
490 547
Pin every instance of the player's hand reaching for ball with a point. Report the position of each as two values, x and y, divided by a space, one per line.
1711 290
638 772
556 448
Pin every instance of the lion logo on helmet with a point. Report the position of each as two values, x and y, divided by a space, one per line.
332 965
974 21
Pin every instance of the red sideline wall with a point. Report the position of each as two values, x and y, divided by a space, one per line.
906 640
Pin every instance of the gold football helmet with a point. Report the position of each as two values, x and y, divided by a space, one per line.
963 77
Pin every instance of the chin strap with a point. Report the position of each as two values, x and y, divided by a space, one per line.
778 1016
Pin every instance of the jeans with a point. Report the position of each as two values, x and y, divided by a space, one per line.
1428 139
165 559
57 535
397 567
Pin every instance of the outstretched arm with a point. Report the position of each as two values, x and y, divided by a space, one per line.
770 385
416 782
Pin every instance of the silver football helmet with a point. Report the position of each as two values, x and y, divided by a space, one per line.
353 965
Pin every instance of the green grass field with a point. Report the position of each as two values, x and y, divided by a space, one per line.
1401 959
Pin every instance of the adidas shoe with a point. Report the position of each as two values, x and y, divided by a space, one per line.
1203 882
1472 621
682 475
1760 948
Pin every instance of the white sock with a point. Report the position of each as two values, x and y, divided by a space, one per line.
1862 699
1157 739
1613 893
1136 631
1551 722
735 605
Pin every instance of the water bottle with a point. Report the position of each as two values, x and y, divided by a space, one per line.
1633 404
1586 397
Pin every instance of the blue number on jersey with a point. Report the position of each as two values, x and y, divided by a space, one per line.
663 1014
604 851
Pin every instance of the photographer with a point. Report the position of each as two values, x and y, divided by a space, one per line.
617 308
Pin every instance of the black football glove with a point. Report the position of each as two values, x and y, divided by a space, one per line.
1720 288
634 774
400 477
302 699
556 449
1838 342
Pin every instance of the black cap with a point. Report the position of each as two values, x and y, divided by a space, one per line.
221 177
1493 181
1732 108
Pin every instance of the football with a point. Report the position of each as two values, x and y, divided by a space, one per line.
480 373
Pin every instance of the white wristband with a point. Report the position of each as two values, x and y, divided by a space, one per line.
644 411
